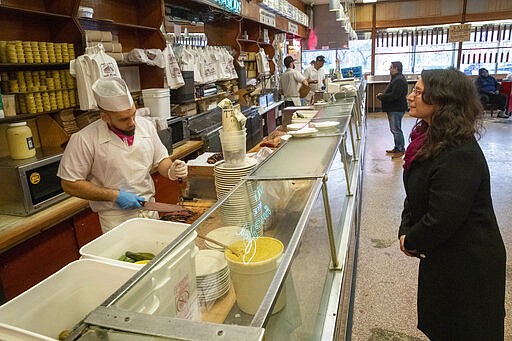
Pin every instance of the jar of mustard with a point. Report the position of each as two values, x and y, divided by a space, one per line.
20 142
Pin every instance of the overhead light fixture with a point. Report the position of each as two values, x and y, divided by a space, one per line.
334 5
368 1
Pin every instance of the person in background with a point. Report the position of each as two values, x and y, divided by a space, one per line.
109 161
311 65
394 103
315 76
448 219
307 70
489 90
290 83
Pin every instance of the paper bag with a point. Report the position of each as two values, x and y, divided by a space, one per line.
304 90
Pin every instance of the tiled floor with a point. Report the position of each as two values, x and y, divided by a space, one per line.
385 294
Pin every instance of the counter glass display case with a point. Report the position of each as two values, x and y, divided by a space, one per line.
300 198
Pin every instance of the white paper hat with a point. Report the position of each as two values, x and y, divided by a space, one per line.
112 94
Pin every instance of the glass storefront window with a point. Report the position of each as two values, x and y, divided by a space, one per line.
391 54
359 53
489 47
330 59
420 48
434 57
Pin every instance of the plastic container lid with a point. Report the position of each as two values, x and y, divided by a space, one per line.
17 124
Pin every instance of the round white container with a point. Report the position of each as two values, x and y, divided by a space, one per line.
252 280
158 101
20 142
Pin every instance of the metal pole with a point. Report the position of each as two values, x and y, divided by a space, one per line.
330 231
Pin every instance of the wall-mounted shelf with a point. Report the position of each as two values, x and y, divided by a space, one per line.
247 41
210 96
25 117
32 12
32 66
111 25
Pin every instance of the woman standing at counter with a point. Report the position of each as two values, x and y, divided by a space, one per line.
109 161
448 219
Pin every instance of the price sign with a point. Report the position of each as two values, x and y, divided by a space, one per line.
459 33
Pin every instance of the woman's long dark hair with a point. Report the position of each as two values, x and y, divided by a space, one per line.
456 118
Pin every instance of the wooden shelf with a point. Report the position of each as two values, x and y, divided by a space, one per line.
32 66
247 41
210 96
32 12
186 149
39 91
111 25
24 117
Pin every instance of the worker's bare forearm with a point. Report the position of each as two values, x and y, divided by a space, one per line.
87 190
163 167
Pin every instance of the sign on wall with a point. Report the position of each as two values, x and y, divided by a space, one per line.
267 18
293 28
234 6
459 33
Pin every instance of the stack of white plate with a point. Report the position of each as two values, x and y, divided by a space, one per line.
325 125
227 235
227 177
212 275
240 207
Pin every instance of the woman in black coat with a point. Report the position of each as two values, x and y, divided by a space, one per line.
448 219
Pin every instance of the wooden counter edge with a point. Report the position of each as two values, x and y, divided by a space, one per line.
186 149
31 225
23 228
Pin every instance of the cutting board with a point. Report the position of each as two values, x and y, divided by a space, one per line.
218 311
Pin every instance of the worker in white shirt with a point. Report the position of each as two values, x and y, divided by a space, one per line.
315 77
311 65
290 82
109 161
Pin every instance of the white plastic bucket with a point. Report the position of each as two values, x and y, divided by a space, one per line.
61 300
170 288
136 235
252 280
158 100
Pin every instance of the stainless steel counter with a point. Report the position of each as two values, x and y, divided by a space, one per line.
306 195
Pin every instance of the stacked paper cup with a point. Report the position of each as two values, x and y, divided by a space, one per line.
233 146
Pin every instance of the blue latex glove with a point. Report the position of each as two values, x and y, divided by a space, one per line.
127 200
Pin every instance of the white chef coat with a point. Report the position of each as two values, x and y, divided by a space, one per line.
98 155
313 74
88 68
290 83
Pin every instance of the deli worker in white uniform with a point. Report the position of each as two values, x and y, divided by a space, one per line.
109 161
315 76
